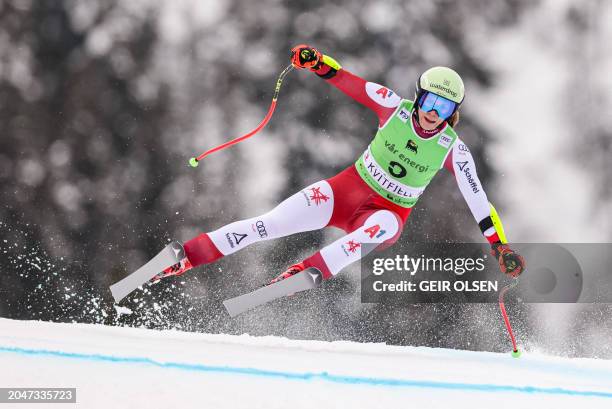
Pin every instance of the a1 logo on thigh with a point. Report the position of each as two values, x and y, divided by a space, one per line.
375 231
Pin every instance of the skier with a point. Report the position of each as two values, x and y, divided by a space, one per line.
371 199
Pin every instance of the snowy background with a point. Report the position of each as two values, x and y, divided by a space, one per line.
103 102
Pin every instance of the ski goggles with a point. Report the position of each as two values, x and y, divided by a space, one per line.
432 102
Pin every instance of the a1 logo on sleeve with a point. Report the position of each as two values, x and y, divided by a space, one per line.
382 95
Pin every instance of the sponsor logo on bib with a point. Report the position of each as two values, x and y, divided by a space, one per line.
403 115
444 140
411 145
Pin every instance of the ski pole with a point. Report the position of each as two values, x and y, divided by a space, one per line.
499 228
194 161
515 352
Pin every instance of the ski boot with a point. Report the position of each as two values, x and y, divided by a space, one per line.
292 270
175 270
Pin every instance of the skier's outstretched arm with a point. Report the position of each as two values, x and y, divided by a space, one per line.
378 98
461 163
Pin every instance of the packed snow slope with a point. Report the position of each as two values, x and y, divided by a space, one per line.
134 368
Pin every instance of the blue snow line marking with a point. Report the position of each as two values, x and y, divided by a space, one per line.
307 376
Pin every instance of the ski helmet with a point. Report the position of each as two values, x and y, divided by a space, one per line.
441 81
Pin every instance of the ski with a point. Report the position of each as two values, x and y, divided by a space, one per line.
305 280
171 254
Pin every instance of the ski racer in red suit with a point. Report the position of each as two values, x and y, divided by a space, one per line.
372 198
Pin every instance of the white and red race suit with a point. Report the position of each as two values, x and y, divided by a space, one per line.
345 200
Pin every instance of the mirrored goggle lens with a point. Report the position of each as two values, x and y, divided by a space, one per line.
433 102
